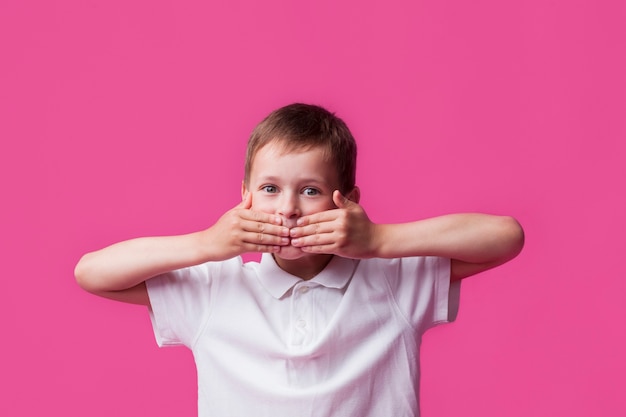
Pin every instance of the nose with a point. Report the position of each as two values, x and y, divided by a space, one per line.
289 208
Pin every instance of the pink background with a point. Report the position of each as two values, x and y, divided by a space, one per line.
127 118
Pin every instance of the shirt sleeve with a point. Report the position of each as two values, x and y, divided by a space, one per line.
422 289
180 303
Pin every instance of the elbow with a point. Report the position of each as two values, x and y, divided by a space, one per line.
513 237
83 273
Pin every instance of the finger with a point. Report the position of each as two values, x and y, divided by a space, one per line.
328 249
260 217
254 226
265 239
321 217
313 229
340 200
246 203
318 239
252 247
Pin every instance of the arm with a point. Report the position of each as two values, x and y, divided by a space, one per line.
120 270
474 242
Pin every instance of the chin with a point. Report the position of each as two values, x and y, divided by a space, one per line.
289 253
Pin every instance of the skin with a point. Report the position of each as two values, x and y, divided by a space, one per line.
291 208
293 185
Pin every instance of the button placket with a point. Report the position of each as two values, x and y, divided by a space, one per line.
300 318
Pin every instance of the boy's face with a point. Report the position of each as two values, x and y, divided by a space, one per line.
291 184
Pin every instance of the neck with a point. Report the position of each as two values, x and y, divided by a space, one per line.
306 267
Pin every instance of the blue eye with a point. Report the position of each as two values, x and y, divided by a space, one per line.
269 189
311 191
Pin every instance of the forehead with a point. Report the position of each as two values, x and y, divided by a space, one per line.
278 160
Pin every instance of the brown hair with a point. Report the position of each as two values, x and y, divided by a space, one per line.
303 126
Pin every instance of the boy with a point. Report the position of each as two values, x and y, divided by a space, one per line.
329 323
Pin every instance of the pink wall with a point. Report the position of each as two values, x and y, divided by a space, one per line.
120 119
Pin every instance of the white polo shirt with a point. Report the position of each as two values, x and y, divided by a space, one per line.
267 343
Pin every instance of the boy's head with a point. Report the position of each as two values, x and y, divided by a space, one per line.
298 127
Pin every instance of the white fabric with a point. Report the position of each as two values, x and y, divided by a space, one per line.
266 343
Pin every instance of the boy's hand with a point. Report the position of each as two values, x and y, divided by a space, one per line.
345 231
242 230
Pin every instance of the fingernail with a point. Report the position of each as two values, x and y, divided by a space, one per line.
295 242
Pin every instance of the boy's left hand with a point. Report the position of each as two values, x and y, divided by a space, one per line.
345 231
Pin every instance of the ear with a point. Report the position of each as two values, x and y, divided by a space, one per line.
244 190
354 195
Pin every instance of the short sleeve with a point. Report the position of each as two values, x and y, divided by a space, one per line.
422 289
179 303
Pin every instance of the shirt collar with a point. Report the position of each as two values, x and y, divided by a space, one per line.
277 282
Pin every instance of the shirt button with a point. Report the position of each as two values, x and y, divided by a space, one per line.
304 290
301 323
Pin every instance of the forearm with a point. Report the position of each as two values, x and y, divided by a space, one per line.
126 264
471 238
118 271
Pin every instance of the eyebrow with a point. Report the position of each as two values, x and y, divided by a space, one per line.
274 178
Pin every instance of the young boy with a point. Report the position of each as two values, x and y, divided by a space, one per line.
329 323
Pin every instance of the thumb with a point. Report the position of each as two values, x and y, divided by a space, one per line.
247 200
340 200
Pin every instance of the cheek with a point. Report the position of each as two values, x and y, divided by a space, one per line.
318 206
259 203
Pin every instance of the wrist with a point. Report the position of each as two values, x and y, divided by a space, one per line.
203 242
378 239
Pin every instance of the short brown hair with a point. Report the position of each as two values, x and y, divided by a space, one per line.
303 126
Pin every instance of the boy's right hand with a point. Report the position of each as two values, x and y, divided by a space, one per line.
242 230
119 270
